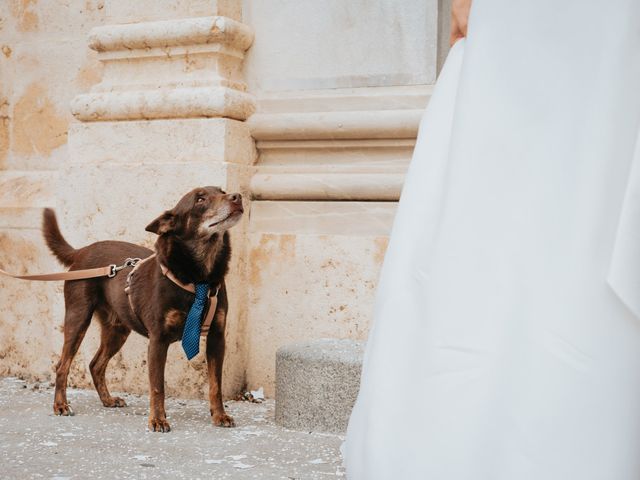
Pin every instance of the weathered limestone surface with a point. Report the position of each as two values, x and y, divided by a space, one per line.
162 141
306 44
110 110
44 62
321 272
126 11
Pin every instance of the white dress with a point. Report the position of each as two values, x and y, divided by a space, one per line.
505 342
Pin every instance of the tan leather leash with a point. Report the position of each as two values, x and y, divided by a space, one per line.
108 271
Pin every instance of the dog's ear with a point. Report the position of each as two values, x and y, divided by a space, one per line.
163 224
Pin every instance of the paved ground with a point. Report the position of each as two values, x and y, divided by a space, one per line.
102 443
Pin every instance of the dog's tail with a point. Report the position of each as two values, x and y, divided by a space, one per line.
55 241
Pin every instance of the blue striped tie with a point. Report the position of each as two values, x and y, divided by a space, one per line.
191 333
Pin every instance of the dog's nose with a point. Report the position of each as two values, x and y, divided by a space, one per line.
235 198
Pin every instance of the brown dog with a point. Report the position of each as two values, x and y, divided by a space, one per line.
193 244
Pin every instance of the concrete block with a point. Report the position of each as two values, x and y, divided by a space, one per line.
317 384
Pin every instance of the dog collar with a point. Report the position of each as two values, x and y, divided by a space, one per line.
190 287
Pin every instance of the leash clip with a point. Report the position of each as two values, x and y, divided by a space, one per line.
129 262
112 270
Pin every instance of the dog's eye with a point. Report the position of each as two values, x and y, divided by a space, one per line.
199 199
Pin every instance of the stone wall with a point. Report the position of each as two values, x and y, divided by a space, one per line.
164 97
44 62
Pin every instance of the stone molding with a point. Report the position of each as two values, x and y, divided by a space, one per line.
192 102
356 148
336 125
327 186
171 33
184 68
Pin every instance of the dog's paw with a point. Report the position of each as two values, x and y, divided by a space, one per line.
115 402
223 420
159 425
62 409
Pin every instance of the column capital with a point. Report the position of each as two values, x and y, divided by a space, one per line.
182 68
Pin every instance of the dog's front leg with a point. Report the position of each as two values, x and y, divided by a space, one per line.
215 357
157 358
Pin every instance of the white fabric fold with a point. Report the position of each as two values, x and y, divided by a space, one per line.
624 270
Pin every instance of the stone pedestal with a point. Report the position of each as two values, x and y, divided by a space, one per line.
317 383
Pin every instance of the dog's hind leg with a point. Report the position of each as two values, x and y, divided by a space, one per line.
112 336
76 321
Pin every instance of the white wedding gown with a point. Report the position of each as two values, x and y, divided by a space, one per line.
505 342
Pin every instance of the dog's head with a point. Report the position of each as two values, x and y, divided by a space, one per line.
200 213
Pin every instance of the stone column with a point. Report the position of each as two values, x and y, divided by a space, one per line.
341 88
168 116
